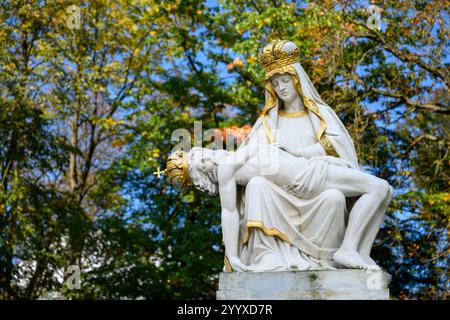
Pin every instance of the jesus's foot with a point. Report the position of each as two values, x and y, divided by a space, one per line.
372 265
350 259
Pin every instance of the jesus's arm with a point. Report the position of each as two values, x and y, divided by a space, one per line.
226 173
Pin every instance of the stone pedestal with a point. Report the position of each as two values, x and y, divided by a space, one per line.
304 285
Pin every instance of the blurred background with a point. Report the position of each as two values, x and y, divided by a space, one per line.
90 95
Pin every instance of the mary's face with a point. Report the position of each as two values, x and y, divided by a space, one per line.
284 87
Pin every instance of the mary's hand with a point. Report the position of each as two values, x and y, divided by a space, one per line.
237 265
296 153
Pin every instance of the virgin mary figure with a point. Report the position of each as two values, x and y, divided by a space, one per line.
279 231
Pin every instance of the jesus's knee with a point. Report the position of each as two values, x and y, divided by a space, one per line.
391 192
381 187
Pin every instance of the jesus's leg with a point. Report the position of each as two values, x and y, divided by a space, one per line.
373 191
372 230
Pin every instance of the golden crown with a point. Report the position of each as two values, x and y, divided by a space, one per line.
177 167
272 57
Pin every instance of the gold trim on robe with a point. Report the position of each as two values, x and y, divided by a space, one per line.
283 113
328 147
227 264
272 232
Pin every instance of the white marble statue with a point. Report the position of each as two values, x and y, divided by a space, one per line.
283 191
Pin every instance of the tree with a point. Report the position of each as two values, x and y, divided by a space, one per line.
87 114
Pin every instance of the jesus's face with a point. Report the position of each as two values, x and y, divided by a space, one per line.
284 87
207 161
206 164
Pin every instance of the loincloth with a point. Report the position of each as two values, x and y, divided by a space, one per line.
310 181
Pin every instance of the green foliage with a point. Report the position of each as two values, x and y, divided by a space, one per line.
86 117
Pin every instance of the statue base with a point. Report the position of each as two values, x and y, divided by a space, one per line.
343 284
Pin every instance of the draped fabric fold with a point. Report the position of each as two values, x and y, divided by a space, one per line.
304 233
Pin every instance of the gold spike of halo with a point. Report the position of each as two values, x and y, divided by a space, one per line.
272 57
177 168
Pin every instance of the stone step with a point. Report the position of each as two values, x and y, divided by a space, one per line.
345 284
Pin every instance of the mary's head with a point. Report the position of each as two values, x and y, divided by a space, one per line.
281 79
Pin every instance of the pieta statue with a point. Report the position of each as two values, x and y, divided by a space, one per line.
285 191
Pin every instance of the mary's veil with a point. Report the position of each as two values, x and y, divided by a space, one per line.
329 130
